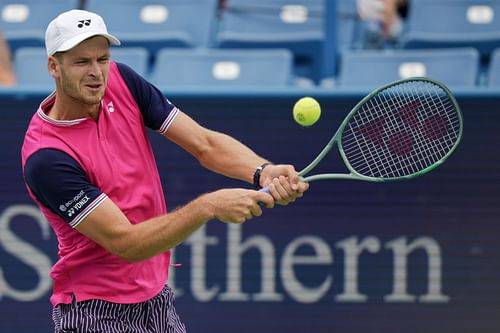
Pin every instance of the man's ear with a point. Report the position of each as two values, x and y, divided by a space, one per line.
53 66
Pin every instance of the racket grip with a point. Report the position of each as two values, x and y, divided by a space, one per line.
265 190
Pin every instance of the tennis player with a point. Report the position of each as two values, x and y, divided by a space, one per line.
89 166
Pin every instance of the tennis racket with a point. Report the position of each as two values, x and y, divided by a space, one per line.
398 132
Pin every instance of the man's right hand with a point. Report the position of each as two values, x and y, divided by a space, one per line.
236 205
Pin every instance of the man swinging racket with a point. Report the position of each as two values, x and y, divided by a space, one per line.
89 166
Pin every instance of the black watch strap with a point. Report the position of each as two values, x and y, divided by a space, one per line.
256 175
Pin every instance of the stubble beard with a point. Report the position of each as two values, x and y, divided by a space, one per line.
79 93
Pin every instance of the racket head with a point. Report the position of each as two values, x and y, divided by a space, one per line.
400 131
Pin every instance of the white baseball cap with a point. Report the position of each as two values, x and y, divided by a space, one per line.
73 27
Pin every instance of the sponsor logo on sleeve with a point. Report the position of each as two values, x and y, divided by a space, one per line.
74 205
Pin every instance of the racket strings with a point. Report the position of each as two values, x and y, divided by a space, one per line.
431 148
401 131
402 143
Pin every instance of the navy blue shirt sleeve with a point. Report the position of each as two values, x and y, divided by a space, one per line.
60 184
155 108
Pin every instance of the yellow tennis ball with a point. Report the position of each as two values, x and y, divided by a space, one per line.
306 111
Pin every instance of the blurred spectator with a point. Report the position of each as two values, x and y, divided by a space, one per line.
7 77
383 19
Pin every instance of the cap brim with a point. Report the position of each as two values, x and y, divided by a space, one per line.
71 43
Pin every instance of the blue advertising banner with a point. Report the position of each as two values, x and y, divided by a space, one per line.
416 256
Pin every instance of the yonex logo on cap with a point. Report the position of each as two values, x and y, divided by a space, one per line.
73 27
81 23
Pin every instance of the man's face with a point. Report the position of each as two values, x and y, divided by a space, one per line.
82 72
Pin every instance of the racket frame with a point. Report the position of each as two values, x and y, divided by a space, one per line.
337 140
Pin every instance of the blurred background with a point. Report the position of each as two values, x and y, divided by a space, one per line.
418 256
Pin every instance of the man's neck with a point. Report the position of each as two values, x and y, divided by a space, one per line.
64 109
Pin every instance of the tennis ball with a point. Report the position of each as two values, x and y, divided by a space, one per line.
306 111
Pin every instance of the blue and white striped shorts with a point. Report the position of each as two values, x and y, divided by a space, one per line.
156 315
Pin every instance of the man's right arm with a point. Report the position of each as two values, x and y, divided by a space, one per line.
109 227
58 181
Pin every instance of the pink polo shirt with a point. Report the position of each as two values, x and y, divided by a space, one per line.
71 167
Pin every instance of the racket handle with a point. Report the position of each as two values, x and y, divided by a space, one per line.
265 190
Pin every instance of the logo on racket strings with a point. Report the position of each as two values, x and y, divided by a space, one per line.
386 131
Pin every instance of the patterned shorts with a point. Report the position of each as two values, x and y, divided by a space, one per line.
156 315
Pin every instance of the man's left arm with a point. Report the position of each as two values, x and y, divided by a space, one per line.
214 150
225 155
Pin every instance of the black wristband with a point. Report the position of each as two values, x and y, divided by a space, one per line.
256 175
